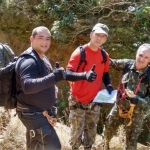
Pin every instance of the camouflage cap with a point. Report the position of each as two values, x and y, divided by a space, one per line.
101 28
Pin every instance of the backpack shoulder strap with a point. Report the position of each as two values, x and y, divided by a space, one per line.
103 55
82 58
147 76
148 71
32 53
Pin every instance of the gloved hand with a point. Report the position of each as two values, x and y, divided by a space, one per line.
131 96
91 75
56 65
109 88
59 73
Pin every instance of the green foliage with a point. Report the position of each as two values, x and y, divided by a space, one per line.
67 14
57 35
143 11
142 19
63 101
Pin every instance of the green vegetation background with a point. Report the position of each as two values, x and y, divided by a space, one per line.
70 22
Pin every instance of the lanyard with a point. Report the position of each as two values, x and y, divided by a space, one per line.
123 90
138 86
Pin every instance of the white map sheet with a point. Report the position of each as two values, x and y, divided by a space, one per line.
104 97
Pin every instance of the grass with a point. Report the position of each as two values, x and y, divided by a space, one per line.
13 135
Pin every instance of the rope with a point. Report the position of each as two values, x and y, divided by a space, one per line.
52 121
128 114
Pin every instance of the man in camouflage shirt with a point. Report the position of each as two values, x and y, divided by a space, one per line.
133 92
6 55
5 58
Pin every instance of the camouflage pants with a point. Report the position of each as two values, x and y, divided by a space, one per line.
132 132
83 121
144 137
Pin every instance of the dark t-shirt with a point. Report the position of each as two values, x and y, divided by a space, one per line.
36 90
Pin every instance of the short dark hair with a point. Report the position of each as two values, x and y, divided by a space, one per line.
35 30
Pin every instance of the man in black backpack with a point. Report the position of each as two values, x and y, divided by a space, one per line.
36 92
133 98
3 59
6 56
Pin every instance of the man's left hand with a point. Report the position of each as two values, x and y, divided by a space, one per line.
131 96
109 88
129 93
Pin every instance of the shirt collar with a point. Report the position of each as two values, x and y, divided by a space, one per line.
140 72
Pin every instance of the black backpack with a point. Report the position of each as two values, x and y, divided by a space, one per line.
6 55
8 90
83 56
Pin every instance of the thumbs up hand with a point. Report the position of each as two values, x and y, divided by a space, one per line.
91 75
59 72
93 67
56 65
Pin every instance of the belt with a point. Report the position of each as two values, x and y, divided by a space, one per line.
79 105
31 113
50 117
36 112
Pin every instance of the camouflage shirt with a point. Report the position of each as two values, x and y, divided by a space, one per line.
131 78
3 58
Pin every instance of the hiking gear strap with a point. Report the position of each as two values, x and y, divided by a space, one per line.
52 121
123 89
103 55
83 56
138 86
128 114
